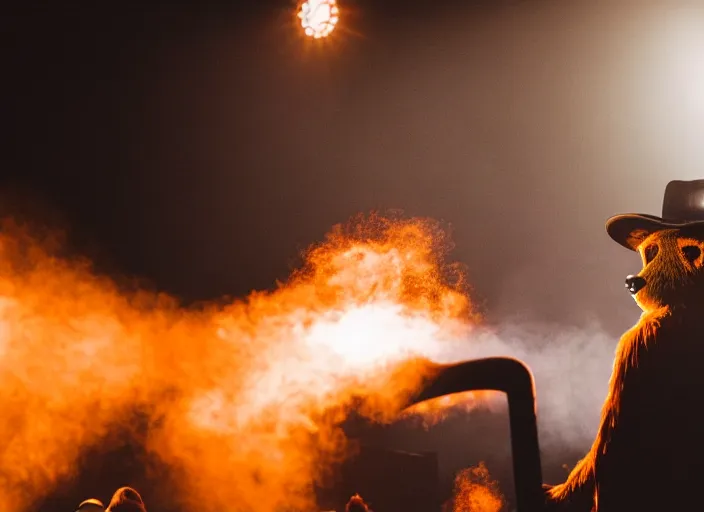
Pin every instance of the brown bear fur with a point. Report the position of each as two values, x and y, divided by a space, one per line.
648 454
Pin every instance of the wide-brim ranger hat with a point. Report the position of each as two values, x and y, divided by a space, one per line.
682 206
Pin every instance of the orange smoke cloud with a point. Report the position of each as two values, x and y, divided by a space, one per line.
246 399
70 360
475 491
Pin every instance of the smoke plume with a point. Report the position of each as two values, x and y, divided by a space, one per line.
245 400
571 366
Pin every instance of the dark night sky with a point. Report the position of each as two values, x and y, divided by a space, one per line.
202 146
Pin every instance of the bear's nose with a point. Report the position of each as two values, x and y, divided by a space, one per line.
634 284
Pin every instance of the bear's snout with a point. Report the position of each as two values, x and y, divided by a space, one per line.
634 284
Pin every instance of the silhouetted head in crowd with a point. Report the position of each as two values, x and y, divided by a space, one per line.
356 504
91 505
126 499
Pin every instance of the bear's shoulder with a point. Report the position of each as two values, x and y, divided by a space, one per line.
662 332
662 359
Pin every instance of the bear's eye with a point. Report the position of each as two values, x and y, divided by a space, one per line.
691 252
650 252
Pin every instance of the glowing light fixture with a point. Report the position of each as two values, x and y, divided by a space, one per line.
319 17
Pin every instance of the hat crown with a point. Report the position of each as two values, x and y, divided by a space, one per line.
682 205
683 201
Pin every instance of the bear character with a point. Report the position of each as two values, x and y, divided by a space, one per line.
648 454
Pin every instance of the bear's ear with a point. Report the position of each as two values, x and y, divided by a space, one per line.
637 237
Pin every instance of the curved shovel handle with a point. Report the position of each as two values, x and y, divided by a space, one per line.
514 378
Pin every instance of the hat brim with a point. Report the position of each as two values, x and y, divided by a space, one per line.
630 229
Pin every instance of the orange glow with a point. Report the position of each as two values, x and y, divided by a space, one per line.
248 396
319 17
434 411
475 491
